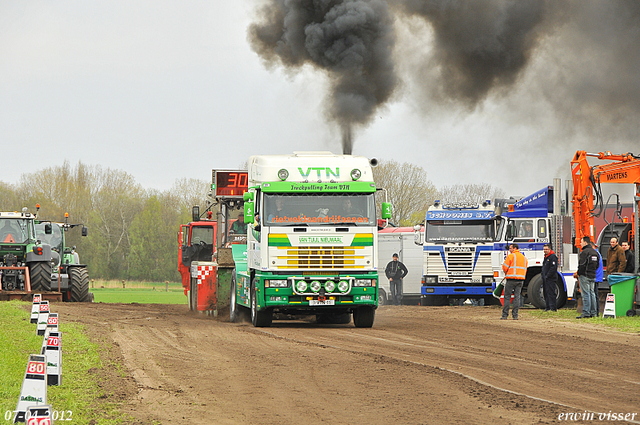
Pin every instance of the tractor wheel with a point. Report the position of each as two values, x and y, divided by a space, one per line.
40 274
259 319
79 284
363 317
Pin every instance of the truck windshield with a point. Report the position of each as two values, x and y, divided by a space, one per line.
54 239
202 234
317 209
14 230
460 231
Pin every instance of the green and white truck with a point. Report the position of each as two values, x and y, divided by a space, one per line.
311 240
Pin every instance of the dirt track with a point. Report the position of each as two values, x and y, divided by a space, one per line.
417 365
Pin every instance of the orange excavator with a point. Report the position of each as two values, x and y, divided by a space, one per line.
588 201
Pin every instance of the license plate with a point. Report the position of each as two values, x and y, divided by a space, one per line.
325 302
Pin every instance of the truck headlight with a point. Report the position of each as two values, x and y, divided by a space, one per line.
343 286
315 286
363 282
330 286
301 286
431 279
487 280
280 283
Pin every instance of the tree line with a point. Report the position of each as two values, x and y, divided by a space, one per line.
133 231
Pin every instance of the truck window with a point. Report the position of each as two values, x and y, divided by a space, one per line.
542 228
460 230
202 234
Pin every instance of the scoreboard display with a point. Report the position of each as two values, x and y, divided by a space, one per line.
230 183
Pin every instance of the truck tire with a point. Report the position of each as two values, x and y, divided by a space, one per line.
193 294
536 295
236 312
363 317
259 318
382 297
40 275
79 284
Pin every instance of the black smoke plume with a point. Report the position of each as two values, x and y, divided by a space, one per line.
480 45
352 40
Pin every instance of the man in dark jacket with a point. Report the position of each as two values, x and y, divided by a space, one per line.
628 255
616 261
549 278
586 274
395 272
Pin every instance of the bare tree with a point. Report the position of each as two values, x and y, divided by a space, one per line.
407 189
470 193
189 192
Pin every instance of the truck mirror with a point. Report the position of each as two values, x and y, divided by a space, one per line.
510 231
85 231
417 235
47 228
195 213
386 210
248 212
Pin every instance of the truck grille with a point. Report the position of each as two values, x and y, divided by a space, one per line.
319 257
459 264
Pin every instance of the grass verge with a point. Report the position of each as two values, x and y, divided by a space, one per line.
624 324
77 396
138 292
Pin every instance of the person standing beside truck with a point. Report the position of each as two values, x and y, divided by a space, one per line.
586 274
616 261
395 272
549 278
628 255
515 271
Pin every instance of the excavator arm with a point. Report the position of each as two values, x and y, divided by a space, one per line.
625 168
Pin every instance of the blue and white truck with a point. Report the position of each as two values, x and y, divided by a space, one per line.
458 241
531 222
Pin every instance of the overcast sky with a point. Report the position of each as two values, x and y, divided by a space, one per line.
166 90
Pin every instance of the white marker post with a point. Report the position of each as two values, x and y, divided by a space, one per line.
34 387
39 415
610 306
35 308
53 354
52 322
43 317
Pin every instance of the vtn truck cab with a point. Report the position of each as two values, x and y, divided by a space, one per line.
311 240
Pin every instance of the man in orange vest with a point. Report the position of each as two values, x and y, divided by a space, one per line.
515 270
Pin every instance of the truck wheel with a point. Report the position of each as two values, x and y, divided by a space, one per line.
561 294
193 295
536 295
40 275
79 284
259 319
363 317
382 297
534 292
235 312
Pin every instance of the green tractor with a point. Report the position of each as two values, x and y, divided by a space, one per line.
22 254
68 276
